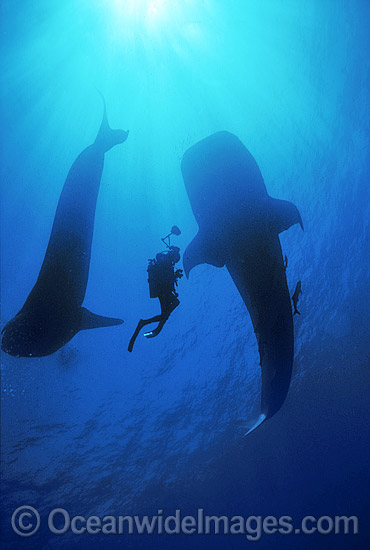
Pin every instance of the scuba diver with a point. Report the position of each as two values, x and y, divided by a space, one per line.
162 279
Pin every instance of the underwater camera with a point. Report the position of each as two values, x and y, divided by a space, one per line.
167 239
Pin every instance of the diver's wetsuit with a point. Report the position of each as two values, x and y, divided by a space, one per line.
162 286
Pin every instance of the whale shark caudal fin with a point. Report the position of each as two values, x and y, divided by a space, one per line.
283 214
91 320
260 420
108 138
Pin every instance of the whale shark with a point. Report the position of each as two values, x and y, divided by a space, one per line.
53 314
239 226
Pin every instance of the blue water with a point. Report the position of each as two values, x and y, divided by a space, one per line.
96 430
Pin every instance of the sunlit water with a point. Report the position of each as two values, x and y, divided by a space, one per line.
96 430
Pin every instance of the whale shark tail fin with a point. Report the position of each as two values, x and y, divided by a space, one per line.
107 137
283 214
262 417
91 320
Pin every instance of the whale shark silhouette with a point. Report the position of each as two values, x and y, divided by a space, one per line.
239 226
53 312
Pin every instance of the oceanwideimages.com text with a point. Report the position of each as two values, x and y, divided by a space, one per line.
26 521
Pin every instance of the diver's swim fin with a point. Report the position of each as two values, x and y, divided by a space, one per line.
135 335
155 332
152 333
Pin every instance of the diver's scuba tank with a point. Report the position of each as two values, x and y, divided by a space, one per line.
153 278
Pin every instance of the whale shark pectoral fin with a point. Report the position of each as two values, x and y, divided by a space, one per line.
91 320
283 214
199 252
193 255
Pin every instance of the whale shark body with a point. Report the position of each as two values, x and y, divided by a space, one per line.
53 312
239 226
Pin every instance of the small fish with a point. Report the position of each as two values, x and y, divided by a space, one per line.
295 297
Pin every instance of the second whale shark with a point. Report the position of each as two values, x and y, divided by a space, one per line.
53 312
239 226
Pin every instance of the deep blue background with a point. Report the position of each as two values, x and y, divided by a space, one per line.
96 430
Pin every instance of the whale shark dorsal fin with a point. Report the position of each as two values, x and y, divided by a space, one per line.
199 251
91 320
283 214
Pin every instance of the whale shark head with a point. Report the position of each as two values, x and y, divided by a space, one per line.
229 200
221 178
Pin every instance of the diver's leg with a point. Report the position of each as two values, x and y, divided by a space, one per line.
140 325
163 318
157 330
135 335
